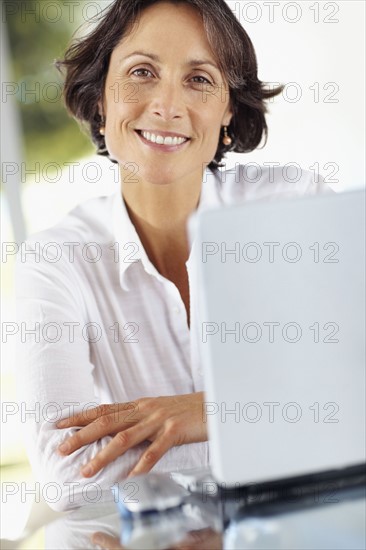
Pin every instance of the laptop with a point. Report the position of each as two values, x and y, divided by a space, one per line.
280 319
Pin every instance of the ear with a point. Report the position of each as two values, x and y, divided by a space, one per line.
100 108
227 116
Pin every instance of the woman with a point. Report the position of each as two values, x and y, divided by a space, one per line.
166 89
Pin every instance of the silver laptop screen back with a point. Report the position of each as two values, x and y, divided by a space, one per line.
281 325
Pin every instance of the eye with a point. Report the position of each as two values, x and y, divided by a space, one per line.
202 80
141 72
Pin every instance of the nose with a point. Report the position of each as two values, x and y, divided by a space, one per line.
168 101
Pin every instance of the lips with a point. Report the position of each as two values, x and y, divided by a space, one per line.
160 138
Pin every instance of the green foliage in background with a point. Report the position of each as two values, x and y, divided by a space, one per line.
39 32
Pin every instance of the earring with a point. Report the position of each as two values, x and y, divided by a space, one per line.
226 140
102 128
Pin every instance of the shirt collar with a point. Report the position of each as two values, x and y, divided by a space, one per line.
130 249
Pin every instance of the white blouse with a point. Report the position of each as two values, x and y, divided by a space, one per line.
99 324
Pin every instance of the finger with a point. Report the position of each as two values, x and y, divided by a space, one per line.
203 539
82 437
152 455
86 417
108 424
106 541
123 441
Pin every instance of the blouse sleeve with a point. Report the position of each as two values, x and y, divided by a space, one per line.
55 379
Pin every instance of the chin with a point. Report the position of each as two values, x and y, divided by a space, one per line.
157 175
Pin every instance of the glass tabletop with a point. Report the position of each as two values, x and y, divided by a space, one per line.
317 517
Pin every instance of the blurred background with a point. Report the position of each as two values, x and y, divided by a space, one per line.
316 49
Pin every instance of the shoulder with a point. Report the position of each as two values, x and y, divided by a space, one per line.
88 220
58 248
252 181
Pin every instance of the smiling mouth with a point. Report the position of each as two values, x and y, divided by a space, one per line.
166 139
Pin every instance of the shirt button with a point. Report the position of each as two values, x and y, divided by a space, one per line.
176 309
200 372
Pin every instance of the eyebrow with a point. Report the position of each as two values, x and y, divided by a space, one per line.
156 58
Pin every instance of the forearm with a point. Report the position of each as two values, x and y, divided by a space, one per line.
69 489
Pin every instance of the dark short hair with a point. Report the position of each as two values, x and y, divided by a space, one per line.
86 64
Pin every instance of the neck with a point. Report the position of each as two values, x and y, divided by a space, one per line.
159 214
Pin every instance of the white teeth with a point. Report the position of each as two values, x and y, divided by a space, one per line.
169 140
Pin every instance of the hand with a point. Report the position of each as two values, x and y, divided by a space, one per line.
195 540
202 539
165 421
107 542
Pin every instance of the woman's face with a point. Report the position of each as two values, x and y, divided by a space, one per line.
163 80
